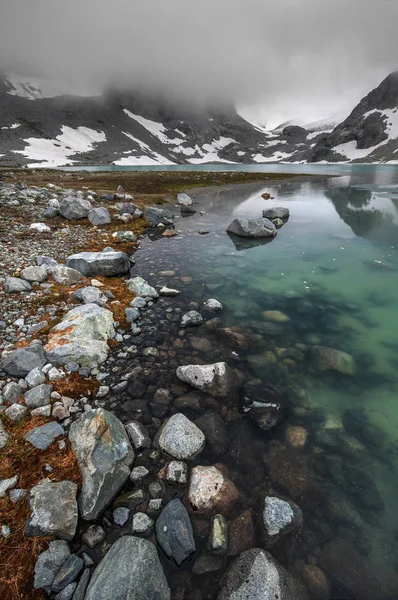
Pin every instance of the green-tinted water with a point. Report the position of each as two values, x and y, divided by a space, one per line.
333 270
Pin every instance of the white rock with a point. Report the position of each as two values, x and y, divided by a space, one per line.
165 291
39 227
217 379
181 438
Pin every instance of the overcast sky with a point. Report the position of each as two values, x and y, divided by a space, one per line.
277 58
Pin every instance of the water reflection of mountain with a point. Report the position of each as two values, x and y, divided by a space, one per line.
354 207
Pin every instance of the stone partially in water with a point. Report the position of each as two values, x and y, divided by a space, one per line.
174 532
279 518
181 438
256 575
191 319
105 456
141 288
217 379
131 570
154 216
210 491
277 212
329 359
252 228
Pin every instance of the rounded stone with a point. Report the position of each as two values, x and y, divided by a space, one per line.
181 438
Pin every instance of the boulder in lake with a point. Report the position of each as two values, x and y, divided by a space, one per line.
154 216
279 518
104 454
174 532
329 359
252 228
181 438
255 574
73 207
277 212
217 379
53 510
131 570
107 264
210 491
141 288
81 337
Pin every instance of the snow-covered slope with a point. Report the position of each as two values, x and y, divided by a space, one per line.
42 127
370 132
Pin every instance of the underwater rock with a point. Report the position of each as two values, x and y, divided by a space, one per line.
279 518
329 359
263 405
210 491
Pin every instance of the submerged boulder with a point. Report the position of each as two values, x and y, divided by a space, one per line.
277 212
81 336
131 570
210 491
329 359
217 379
104 454
181 438
92 264
255 574
279 518
253 228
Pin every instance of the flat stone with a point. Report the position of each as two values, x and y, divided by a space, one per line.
14 285
39 227
65 275
105 456
131 570
19 362
93 536
48 564
217 379
181 438
276 316
107 264
53 510
42 437
68 572
67 593
38 396
7 484
174 532
82 585
140 287
81 336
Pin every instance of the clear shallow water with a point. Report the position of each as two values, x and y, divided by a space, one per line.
333 270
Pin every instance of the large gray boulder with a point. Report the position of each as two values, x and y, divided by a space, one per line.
277 212
253 228
73 208
217 379
81 337
15 285
174 532
21 361
154 216
92 264
65 275
99 216
105 455
258 576
181 438
131 570
34 273
53 510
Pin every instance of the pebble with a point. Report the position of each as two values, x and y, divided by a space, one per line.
141 523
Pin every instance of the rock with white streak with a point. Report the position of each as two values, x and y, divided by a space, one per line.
191 319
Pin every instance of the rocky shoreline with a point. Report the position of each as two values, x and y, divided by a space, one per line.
106 371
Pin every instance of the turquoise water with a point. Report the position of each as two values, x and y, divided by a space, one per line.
333 270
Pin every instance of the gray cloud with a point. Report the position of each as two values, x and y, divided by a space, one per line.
279 57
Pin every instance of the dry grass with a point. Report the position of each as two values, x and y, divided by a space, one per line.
18 554
75 386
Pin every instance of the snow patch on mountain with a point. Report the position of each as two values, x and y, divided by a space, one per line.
13 126
209 152
56 153
156 129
